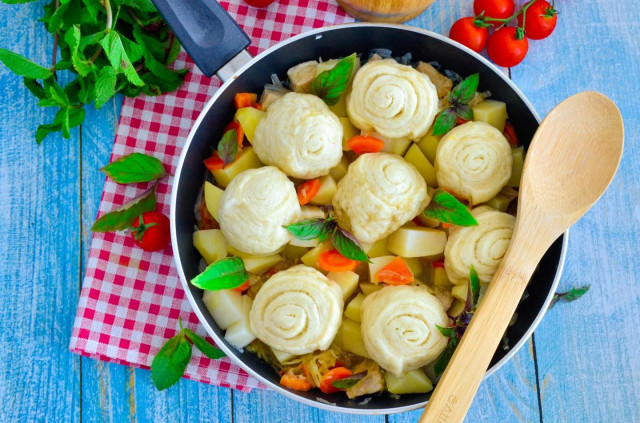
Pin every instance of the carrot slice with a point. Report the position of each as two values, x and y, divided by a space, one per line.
241 288
361 144
332 375
214 162
308 190
395 273
239 131
245 100
510 134
299 383
333 261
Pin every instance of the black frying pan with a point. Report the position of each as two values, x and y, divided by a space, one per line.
200 29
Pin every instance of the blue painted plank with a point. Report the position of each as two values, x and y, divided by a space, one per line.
39 230
588 352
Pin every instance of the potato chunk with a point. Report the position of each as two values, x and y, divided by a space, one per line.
413 382
352 338
211 244
348 282
493 112
353 308
417 242
326 192
415 156
240 334
212 196
225 306
247 159
260 264
248 118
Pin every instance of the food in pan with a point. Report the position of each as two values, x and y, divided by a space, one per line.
344 230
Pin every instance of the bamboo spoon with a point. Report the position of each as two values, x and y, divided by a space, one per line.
571 160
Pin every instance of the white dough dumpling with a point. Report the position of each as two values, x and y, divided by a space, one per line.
482 246
299 135
379 193
474 161
255 206
399 327
297 311
394 100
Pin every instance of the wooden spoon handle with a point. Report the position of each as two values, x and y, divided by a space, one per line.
455 391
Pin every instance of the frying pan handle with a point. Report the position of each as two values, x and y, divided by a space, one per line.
210 36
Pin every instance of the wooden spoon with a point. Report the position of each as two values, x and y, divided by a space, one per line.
571 160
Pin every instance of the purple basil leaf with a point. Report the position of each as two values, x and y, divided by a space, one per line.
228 146
445 121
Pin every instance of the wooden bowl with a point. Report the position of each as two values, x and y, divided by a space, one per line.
393 11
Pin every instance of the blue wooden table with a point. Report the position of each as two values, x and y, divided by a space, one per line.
581 365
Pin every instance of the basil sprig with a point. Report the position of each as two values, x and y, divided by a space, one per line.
447 208
331 84
569 296
349 381
135 167
122 217
459 99
323 229
225 273
228 147
170 362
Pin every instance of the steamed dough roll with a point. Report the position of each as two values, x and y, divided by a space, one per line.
473 161
254 207
399 327
394 100
297 311
482 246
379 193
300 135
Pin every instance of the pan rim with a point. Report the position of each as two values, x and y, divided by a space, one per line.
231 352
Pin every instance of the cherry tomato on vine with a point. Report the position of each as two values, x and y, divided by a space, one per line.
150 231
499 9
507 47
540 20
470 32
259 3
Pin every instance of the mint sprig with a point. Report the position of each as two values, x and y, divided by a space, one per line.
459 99
331 84
226 273
135 167
569 296
172 359
447 208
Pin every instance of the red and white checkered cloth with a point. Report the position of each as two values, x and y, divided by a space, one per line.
130 299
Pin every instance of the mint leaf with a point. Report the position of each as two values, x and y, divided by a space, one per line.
112 45
465 90
226 273
135 167
22 66
169 364
445 121
35 88
17 1
348 246
448 332
228 146
474 287
122 217
62 117
445 356
331 84
72 37
105 87
569 296
76 116
307 229
349 381
446 208
43 130
203 345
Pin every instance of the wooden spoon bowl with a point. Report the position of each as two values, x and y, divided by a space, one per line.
571 161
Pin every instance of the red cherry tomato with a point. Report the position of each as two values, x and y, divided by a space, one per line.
469 32
259 3
499 9
505 48
150 231
540 20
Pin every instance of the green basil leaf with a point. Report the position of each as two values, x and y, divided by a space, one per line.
307 229
328 229
135 167
464 111
446 208
348 246
204 345
474 282
22 66
122 217
331 84
448 332
465 90
445 121
445 356
569 296
349 381
226 273
105 87
228 146
43 130
112 45
170 362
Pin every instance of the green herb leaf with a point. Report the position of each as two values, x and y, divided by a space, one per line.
122 217
348 246
448 332
445 356
169 364
446 208
105 87
465 90
35 88
204 345
445 121
307 229
43 130
226 273
474 282
349 381
569 296
112 45
76 117
228 146
22 66
331 84
465 112
135 167
17 1
62 117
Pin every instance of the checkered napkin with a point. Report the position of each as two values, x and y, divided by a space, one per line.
130 299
